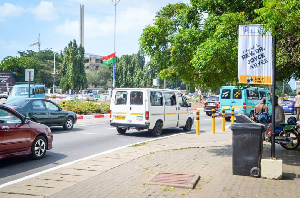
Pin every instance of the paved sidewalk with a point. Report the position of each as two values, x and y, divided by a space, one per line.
127 171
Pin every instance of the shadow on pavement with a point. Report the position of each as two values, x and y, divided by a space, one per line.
16 165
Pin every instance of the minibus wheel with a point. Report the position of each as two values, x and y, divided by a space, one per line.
188 125
121 130
157 129
227 118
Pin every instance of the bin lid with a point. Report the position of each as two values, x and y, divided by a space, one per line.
242 126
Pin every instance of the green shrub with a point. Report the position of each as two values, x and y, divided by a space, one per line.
85 107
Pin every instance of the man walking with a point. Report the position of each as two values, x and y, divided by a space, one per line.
297 104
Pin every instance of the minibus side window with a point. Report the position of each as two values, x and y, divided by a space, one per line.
156 98
262 94
136 98
36 90
237 94
252 94
42 90
182 101
225 94
170 99
121 98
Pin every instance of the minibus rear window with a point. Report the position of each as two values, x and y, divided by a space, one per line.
136 98
237 94
225 94
121 98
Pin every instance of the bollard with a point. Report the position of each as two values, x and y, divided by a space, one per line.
198 122
232 116
64 105
213 121
223 120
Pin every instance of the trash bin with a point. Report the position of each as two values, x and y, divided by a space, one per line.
246 148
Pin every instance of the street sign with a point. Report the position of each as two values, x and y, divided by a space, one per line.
27 71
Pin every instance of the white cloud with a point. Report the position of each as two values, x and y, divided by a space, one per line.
128 22
45 11
10 10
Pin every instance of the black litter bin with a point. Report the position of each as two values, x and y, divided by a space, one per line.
246 148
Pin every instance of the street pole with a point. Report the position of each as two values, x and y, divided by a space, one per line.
273 97
53 72
114 64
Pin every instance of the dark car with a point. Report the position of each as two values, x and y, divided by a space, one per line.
288 106
211 103
20 136
44 111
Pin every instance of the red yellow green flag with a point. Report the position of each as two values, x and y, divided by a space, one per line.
107 60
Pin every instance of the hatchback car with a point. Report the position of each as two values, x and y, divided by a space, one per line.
211 103
20 136
288 106
44 111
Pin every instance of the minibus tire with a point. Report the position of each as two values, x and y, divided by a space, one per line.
157 129
227 118
188 125
121 131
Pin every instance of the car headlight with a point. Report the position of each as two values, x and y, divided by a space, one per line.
48 130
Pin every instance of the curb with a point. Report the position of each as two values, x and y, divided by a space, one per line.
92 116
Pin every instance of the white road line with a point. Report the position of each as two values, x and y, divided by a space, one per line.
73 162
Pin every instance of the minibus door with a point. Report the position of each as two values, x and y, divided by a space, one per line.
171 110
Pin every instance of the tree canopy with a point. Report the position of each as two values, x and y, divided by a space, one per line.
183 44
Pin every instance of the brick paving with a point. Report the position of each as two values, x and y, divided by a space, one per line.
126 172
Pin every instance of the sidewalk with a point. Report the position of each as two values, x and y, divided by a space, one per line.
127 171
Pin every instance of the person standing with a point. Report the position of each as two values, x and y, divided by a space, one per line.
297 104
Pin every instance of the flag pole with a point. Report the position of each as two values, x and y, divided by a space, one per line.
114 64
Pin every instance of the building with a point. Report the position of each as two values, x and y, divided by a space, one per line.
93 62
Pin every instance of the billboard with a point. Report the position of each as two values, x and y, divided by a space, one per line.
7 79
254 55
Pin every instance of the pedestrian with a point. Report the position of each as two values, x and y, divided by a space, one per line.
261 107
199 94
279 114
297 104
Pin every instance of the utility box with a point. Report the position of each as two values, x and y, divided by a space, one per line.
246 148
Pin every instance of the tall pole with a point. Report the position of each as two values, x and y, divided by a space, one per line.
114 64
273 97
53 72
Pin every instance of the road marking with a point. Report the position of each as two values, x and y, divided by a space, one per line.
79 160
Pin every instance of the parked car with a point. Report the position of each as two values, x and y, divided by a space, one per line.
288 106
20 136
44 111
3 95
87 97
211 103
72 97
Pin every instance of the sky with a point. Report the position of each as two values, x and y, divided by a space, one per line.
57 23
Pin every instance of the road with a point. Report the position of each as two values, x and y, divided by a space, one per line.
88 137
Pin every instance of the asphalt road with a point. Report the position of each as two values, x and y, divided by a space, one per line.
88 137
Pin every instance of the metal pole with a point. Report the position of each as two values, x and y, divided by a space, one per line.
223 120
114 64
198 122
29 84
54 73
273 97
213 121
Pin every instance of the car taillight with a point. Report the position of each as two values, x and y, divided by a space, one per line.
244 105
147 115
291 105
206 103
110 114
218 103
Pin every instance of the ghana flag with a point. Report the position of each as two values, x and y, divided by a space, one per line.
107 60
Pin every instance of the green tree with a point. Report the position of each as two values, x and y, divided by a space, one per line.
99 77
204 52
72 72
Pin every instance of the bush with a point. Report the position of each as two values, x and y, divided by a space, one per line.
85 107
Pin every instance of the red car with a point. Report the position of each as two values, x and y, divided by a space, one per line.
20 136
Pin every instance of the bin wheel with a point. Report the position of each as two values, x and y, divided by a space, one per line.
255 172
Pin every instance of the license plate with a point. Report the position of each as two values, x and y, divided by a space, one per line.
285 106
119 118
225 107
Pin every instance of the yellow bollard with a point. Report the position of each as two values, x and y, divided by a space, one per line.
213 121
198 122
232 116
223 120
64 105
